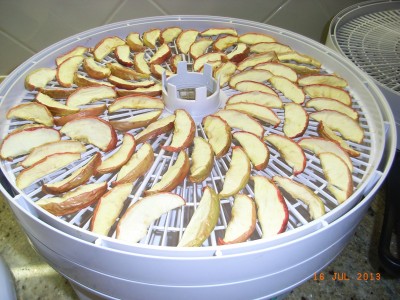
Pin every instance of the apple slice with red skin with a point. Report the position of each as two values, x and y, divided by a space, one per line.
253 86
173 62
239 53
218 133
108 208
129 85
328 79
199 47
202 160
290 152
123 55
23 141
257 111
120 157
90 94
256 97
252 38
31 111
224 42
151 37
264 47
224 72
136 102
289 89
158 70
207 57
169 34
254 147
137 121
162 54
303 193
219 31
82 81
140 63
272 210
56 108
79 50
92 130
125 72
296 120
91 111
57 92
185 39
45 167
278 69
255 59
332 104
242 223
75 200
95 70
238 173
301 69
184 131
134 42
39 78
66 71
156 128
250 75
77 178
137 166
106 46
327 91
135 222
299 58
152 91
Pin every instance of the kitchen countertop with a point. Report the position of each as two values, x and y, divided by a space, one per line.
35 279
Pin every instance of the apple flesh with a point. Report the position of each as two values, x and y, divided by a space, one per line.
296 120
140 63
90 94
331 80
168 35
278 69
137 121
123 55
224 72
301 69
237 119
219 31
252 38
134 42
253 86
125 72
207 57
184 131
185 39
289 89
81 81
224 42
129 85
202 160
199 47
95 70
56 108
331 104
254 147
91 111
66 71
39 78
264 47
255 59
257 111
327 91
299 58
31 111
161 55
56 92
158 70
239 53
151 37
218 133
106 46
256 97
136 102
156 128
79 50
250 75
152 91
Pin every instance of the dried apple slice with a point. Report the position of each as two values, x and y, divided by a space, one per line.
264 47
289 89
331 80
238 173
173 176
242 223
185 39
79 50
158 70
156 128
173 62
151 37
125 72
256 97
296 120
39 78
199 47
45 167
303 193
252 86
331 104
257 111
92 111
106 46
254 147
23 141
202 160
214 65
162 54
90 94
138 165
301 69
129 85
108 208
326 91
136 102
184 131
239 53
168 35
92 130
207 57
340 181
134 42
224 72
272 210
252 38
346 126
120 157
141 64
256 59
219 31
224 42
134 223
290 152
31 111
137 121
203 221
81 81
278 69
299 58
152 91
75 200
56 108
123 55
77 178
250 75
66 71
57 92
95 70
237 119
218 133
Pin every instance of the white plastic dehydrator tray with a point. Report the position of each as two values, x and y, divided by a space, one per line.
153 268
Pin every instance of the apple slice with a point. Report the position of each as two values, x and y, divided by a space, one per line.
301 69
169 34
331 104
92 130
278 69
75 200
327 91
31 111
272 210
224 72
95 70
242 223
214 65
79 50
40 152
289 89
39 78
256 97
136 102
141 64
66 71
77 178
346 126
238 173
218 133
134 223
120 157
254 147
184 131
203 221
202 160
56 92
224 42
137 121
253 86
264 47
299 58
158 70
129 85
56 108
185 39
218 31
320 145
138 165
123 55
252 38
134 42
199 47
125 72
45 167
257 111
173 62
156 128
23 141
91 111
303 193
207 57
151 37
340 181
250 75
290 152
256 59
331 80
81 81
162 54
173 176
90 94
108 208
239 53
296 120
106 46
237 119
151 91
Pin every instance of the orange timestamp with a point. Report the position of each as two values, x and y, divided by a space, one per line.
343 276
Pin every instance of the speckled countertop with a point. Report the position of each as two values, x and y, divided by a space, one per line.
35 279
